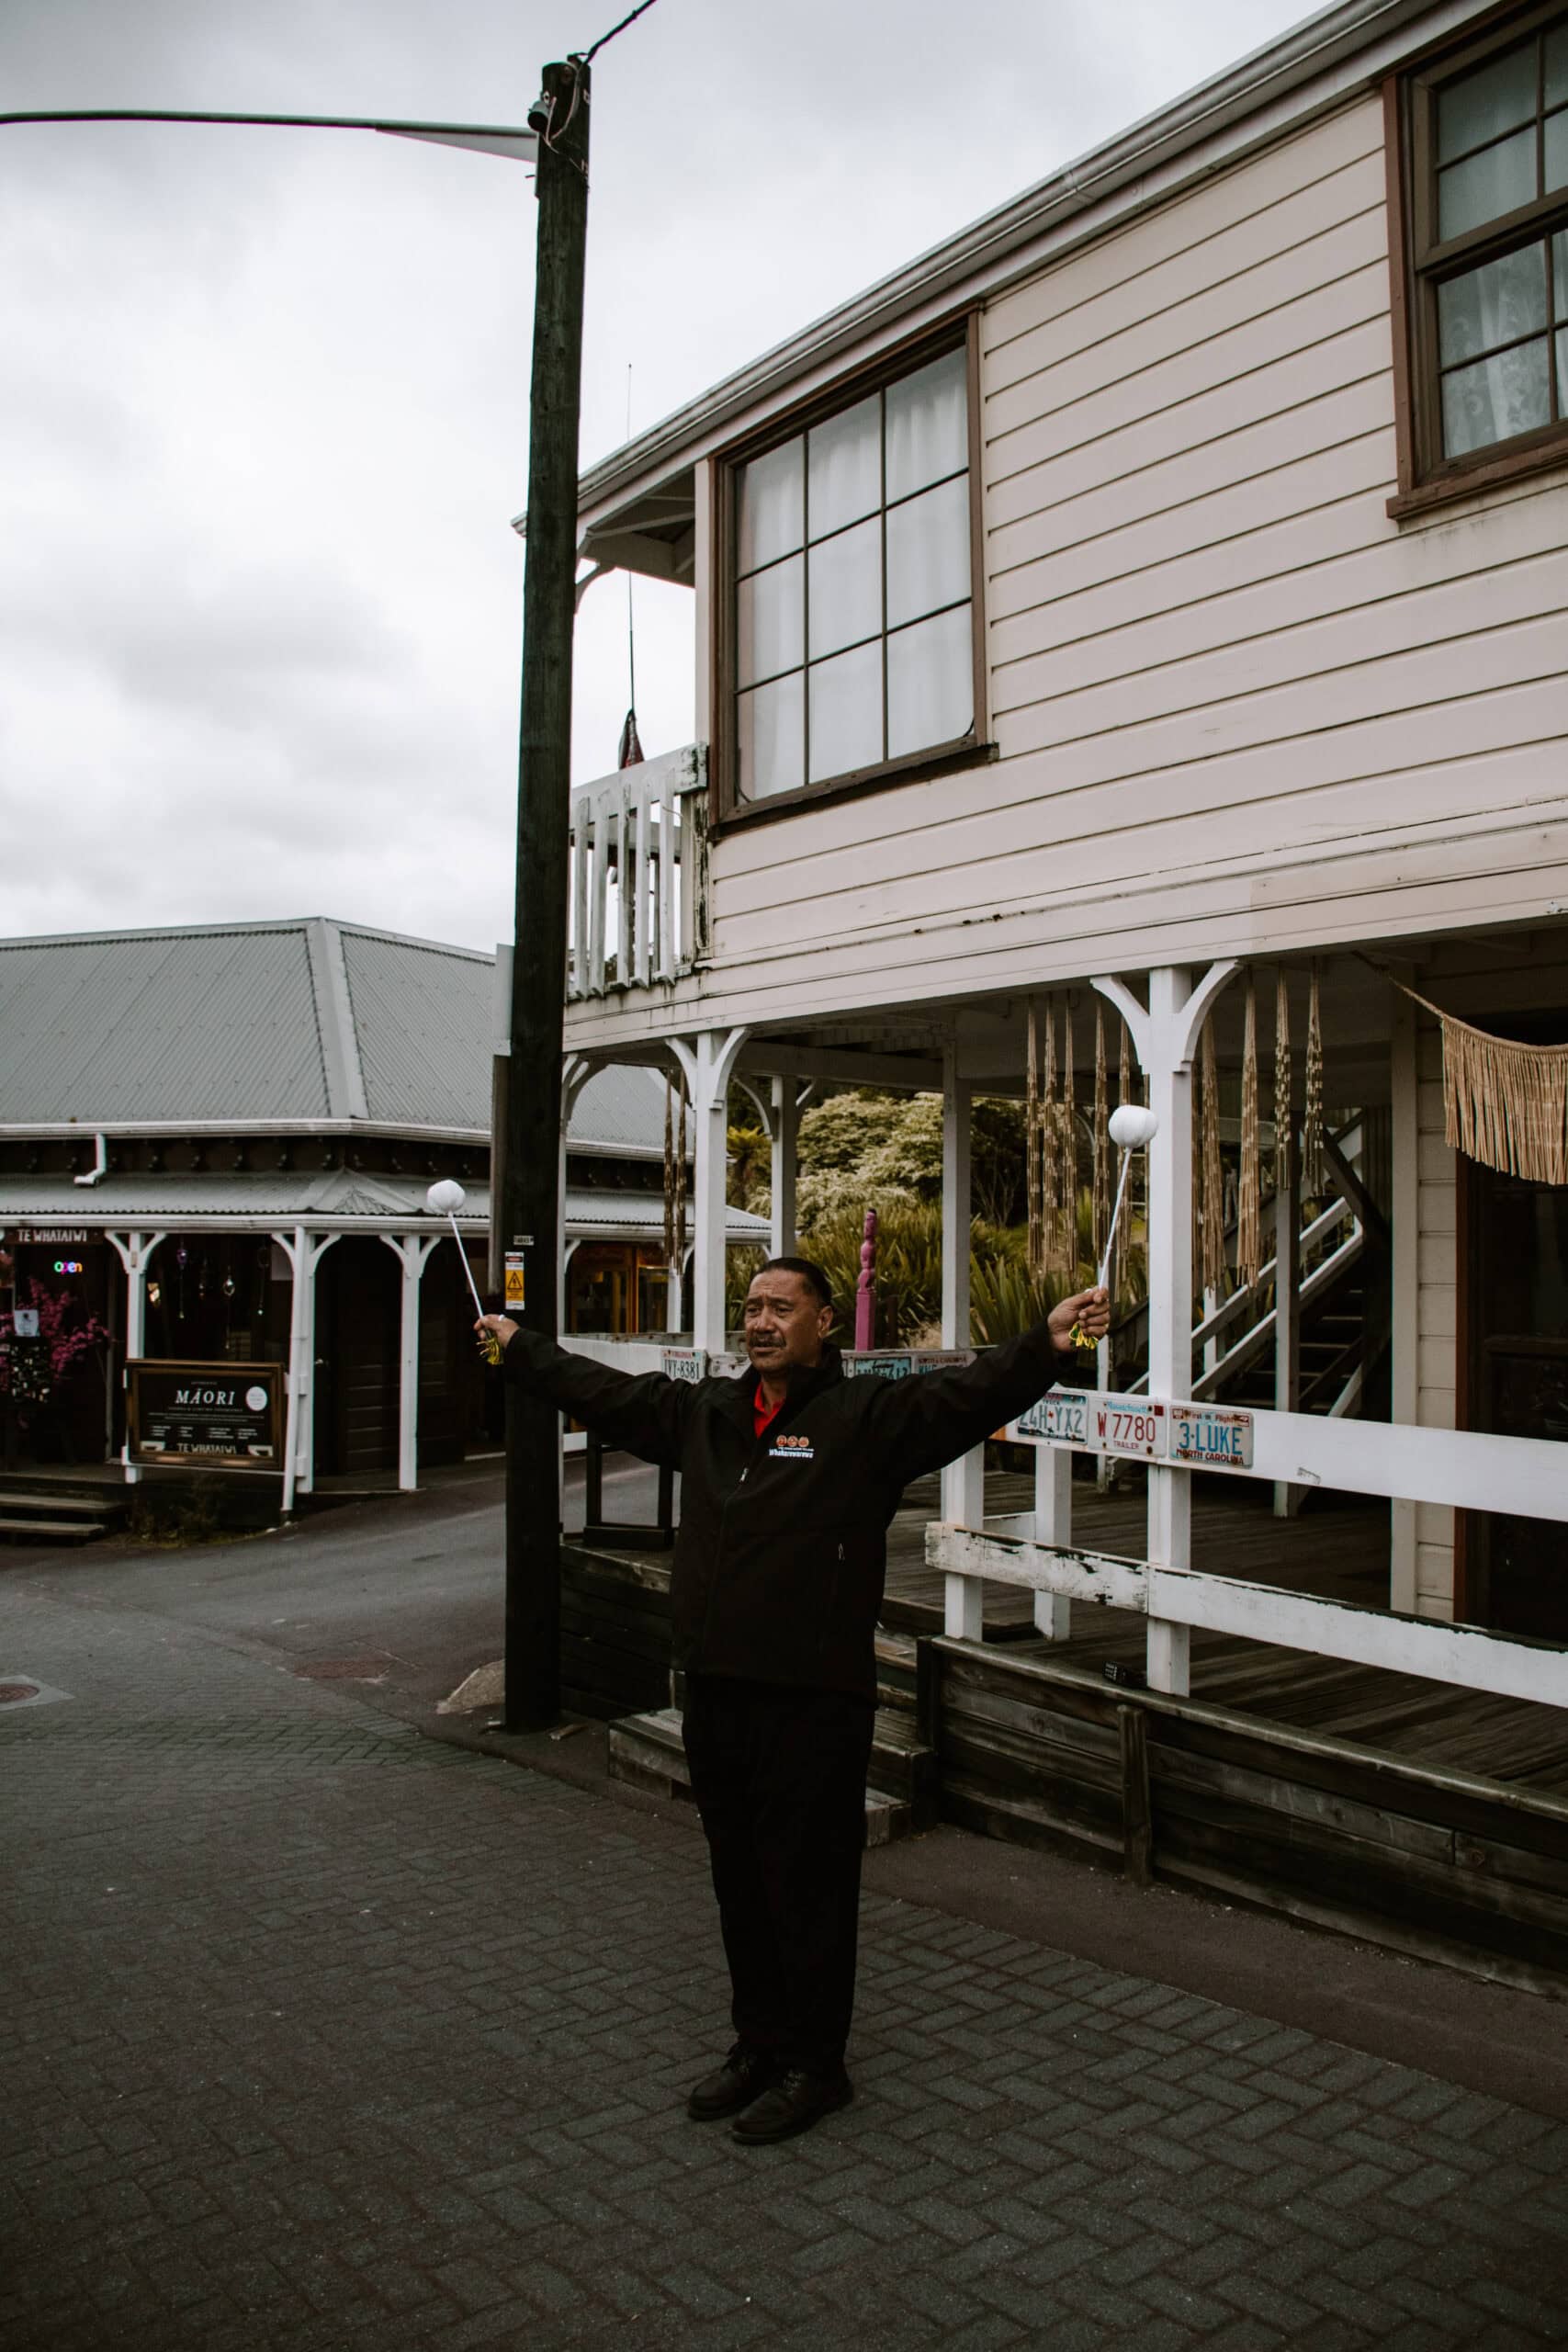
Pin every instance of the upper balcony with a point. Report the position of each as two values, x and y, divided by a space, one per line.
638 878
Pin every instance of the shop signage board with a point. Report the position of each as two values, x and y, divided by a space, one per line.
57 1236
221 1416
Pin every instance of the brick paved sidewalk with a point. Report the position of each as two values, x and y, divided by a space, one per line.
315 2034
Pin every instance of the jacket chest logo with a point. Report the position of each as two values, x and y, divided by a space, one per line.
789 1448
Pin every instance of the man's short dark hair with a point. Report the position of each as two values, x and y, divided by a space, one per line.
810 1273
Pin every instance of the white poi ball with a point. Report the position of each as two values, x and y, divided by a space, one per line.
1131 1126
445 1198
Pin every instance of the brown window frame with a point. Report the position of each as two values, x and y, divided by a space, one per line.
727 807
1419 262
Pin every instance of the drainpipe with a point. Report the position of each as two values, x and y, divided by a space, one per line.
100 1167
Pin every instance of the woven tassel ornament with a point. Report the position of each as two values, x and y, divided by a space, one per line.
1212 1180
1069 1148
1049 1188
1505 1103
1102 1139
681 1174
1312 1181
1249 1204
668 1173
1124 1094
1032 1140
1284 1121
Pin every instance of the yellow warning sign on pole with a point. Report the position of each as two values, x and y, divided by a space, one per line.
514 1284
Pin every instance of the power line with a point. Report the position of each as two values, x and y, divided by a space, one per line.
609 36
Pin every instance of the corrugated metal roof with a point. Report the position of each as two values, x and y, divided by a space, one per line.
217 1025
278 1196
275 1021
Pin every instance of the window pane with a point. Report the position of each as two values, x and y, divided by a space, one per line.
1560 272
846 587
1496 398
769 734
846 713
1479 105
1497 303
928 425
1562 371
1490 184
930 683
1557 66
771 507
1554 152
928 552
770 615
844 466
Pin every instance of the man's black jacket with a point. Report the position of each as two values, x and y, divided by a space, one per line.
781 1554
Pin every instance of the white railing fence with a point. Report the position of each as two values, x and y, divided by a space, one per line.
1467 1469
638 905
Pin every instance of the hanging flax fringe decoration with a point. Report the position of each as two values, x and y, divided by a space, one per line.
1284 1080
1313 1180
1069 1151
1033 1143
675 1170
1212 1180
1102 1139
1249 1202
1124 1094
1506 1104
1050 1190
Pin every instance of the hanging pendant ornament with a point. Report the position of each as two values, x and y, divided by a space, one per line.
1212 1262
1032 1171
1050 1186
1069 1149
1284 1088
445 1199
1312 1125
228 1285
1101 1192
1132 1128
1249 1207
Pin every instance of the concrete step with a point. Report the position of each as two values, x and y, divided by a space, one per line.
16 1529
51 1502
646 1752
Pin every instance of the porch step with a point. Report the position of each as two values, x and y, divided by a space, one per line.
36 1514
646 1752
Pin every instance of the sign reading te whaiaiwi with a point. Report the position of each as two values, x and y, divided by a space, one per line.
219 1416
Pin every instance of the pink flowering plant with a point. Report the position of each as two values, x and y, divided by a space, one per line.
64 1343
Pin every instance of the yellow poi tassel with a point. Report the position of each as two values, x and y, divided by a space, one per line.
1031 1149
1047 1145
1249 1204
1284 1119
1102 1209
1212 1180
1313 1185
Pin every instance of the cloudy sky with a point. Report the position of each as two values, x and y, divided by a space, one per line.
264 394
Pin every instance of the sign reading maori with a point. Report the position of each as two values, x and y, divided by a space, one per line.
223 1416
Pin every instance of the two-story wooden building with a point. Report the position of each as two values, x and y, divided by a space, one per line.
1154 599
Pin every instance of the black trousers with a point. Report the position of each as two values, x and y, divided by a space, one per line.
779 1777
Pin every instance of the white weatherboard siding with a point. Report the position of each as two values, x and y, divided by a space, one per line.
1237 708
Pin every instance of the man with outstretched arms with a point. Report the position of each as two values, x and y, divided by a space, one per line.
790 1474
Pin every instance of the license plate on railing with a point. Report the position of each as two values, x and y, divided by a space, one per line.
1210 1437
1128 1425
1062 1418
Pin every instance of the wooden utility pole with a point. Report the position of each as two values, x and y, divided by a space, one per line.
531 1158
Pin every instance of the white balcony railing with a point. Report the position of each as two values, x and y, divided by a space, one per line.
639 875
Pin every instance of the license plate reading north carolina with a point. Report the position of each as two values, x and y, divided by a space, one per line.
1212 1437
1127 1425
1062 1418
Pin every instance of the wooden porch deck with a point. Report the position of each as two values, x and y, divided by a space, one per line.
1338 1551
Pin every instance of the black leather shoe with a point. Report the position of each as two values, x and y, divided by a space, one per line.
733 2086
795 2103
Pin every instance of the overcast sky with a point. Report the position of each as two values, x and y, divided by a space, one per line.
264 394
